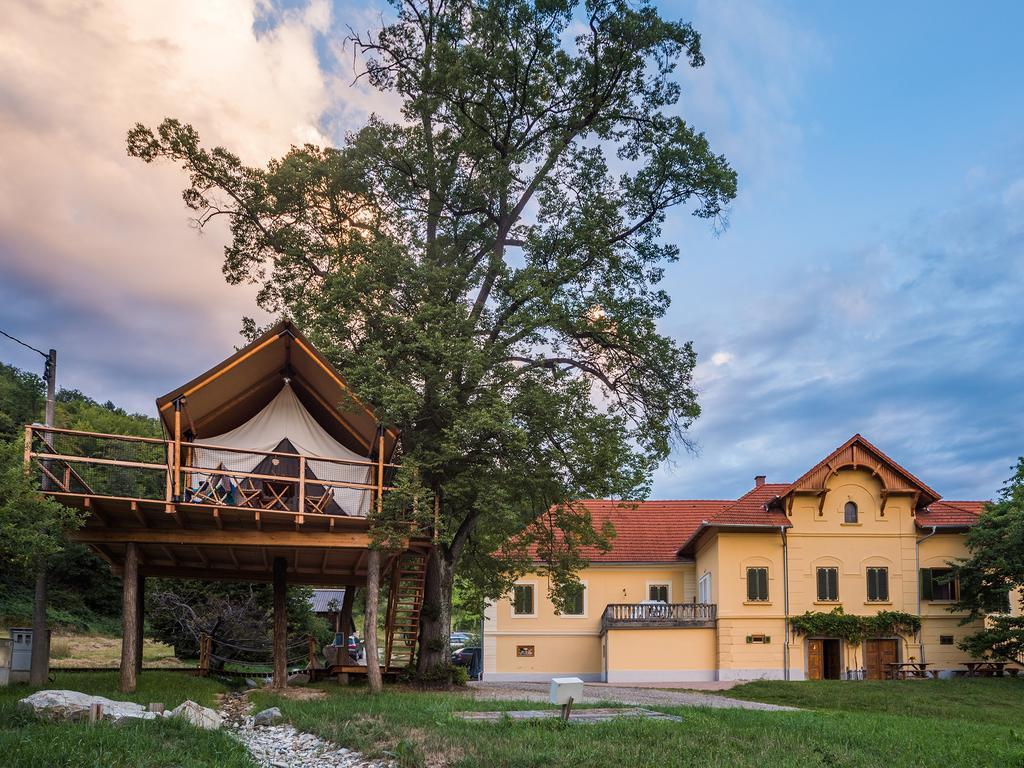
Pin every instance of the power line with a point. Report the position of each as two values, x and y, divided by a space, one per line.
27 346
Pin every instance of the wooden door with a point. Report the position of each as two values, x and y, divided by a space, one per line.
878 654
815 660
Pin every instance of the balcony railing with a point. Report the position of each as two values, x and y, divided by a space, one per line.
658 615
153 469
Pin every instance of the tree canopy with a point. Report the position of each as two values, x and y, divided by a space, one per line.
992 578
486 271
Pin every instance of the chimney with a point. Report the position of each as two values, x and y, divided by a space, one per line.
759 480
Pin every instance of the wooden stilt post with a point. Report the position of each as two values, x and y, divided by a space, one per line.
140 624
177 449
130 617
345 620
280 623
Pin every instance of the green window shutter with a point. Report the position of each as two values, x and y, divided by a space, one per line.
883 583
872 584
927 590
833 583
762 574
822 584
751 584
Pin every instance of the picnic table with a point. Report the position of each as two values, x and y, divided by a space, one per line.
985 668
907 670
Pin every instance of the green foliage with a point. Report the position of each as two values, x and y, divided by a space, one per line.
954 724
32 527
852 628
83 594
993 575
486 271
26 742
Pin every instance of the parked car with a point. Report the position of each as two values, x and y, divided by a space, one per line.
459 639
471 658
353 644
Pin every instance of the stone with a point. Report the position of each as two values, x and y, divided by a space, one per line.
198 715
250 683
267 716
298 678
72 705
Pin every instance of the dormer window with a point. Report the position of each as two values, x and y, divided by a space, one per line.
850 512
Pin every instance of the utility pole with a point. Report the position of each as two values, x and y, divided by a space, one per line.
40 668
39 671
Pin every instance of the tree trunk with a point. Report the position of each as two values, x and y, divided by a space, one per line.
370 626
40 665
436 614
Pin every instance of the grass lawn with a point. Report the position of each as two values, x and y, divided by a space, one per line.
26 742
73 649
962 724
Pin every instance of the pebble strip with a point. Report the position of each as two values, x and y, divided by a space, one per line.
282 746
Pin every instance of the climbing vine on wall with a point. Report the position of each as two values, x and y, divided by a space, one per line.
854 629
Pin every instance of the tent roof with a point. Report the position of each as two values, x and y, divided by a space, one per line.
236 389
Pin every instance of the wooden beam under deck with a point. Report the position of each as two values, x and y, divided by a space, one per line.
225 538
245 574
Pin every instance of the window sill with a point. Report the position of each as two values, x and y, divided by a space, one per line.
757 602
828 602
851 525
524 615
878 602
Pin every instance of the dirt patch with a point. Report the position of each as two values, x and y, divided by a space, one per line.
295 693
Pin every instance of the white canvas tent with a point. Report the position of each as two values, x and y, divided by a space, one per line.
284 417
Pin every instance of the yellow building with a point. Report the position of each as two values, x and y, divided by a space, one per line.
703 590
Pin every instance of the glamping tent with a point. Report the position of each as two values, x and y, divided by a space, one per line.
270 408
284 426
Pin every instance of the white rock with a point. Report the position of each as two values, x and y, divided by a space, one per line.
72 705
198 715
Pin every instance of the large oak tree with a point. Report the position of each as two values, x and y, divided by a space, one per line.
485 271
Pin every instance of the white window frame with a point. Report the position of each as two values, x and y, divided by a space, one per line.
512 600
586 605
704 594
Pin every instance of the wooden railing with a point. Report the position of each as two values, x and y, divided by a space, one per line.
654 615
146 468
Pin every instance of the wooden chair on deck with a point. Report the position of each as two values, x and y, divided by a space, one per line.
249 493
317 505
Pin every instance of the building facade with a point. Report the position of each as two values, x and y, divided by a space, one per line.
703 590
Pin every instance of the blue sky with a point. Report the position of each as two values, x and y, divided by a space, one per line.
870 279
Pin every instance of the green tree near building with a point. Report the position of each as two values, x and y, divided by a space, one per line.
486 270
992 578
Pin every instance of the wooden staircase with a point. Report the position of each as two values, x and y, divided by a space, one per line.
404 604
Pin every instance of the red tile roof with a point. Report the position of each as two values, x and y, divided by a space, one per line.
663 531
950 514
647 531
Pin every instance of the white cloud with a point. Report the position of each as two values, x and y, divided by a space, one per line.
106 236
721 358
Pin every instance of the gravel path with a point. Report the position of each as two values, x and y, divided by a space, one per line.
282 746
637 697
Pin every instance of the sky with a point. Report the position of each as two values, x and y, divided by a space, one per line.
870 279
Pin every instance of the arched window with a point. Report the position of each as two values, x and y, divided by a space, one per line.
850 512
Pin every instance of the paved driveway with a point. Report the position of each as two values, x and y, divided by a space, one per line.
621 694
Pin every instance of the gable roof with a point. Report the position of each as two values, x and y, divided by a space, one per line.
859 452
665 531
237 388
646 531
